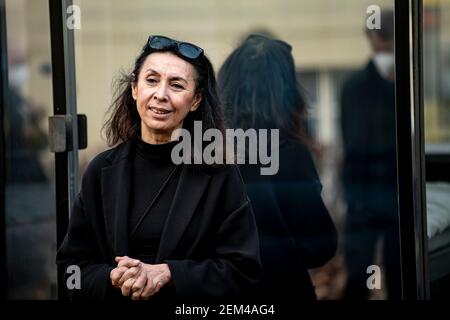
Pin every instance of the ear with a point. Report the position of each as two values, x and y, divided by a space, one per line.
134 86
197 100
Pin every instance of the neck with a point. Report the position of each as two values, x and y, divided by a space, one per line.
155 138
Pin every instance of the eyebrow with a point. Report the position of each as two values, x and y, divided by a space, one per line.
174 78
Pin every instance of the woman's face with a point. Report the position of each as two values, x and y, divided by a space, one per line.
165 93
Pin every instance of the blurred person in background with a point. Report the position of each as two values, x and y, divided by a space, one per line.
369 173
259 89
25 136
28 189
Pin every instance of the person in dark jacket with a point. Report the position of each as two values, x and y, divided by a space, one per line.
143 227
259 88
369 172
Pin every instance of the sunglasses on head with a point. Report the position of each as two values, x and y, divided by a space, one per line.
186 49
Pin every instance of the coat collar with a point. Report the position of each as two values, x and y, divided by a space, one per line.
116 185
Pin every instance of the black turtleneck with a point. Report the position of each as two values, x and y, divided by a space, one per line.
152 166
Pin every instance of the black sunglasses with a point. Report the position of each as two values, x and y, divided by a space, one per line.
186 49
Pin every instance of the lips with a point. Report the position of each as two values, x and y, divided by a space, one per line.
160 111
159 114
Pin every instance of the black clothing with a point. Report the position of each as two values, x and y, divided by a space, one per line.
209 239
368 131
295 229
152 166
369 178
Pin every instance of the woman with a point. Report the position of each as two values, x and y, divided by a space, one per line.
143 227
259 88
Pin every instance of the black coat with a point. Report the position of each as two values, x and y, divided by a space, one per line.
369 172
296 232
209 241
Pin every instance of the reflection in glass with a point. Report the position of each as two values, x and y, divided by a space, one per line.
436 64
328 45
259 87
369 168
29 189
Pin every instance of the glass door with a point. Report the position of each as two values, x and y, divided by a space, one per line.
436 37
351 120
356 67
27 175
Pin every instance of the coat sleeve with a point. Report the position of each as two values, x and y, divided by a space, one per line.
234 268
81 248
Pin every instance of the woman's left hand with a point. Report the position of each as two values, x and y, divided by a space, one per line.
148 281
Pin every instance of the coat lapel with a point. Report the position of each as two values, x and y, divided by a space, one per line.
116 184
191 187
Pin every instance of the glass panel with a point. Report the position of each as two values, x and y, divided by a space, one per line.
436 31
331 51
30 200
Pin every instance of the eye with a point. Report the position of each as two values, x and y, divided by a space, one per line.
152 80
177 86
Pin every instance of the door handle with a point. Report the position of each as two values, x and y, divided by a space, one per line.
60 131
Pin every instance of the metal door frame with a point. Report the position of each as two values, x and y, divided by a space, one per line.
411 149
64 103
3 101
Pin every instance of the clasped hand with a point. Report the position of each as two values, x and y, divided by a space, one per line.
139 280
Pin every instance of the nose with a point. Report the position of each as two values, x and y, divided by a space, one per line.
161 92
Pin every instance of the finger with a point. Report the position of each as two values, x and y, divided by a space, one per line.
116 274
159 281
126 287
138 286
149 288
128 262
130 273
136 295
118 258
125 258
154 287
158 287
